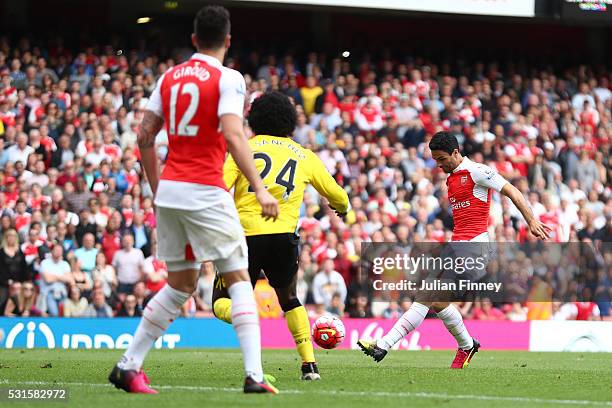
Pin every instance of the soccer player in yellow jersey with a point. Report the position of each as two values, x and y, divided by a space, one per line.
286 169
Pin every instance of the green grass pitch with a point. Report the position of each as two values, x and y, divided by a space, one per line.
213 378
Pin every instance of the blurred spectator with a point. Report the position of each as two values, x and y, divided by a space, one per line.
392 311
156 271
564 311
336 307
105 274
76 304
80 278
63 155
99 218
141 233
20 151
326 283
484 310
56 275
22 301
98 306
329 115
68 175
86 226
342 263
13 267
517 313
87 253
111 238
581 97
129 263
30 248
77 196
587 311
361 307
129 308
309 94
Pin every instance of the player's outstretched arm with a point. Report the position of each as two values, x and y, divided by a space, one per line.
537 228
150 127
243 156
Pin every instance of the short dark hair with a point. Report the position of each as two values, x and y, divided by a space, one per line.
273 114
444 141
211 25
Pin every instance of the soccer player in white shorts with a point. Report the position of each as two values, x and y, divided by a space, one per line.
469 191
200 103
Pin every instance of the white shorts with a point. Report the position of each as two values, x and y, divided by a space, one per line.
214 234
478 247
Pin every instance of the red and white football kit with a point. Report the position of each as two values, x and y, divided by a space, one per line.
196 216
469 192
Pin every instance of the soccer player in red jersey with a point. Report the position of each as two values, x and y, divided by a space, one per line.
469 191
200 103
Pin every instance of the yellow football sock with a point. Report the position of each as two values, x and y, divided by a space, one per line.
299 326
223 309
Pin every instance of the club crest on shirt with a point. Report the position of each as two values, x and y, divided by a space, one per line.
464 180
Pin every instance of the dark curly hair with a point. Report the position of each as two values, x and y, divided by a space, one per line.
444 141
273 114
211 25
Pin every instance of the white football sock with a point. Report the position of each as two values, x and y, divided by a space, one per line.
405 324
161 310
454 324
245 320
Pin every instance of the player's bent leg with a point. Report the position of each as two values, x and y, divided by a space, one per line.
466 345
161 310
296 317
221 302
408 322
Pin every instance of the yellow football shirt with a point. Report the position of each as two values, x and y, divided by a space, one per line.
286 168
309 98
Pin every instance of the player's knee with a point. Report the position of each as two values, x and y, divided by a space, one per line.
439 306
235 276
187 287
290 304
183 275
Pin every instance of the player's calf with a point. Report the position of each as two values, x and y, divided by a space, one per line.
245 320
298 324
407 323
159 313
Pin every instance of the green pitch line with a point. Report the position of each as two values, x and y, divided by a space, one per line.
205 377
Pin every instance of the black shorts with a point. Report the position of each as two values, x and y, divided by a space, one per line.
276 255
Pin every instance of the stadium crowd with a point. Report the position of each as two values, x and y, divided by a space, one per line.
77 223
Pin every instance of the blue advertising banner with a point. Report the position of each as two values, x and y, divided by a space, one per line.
73 333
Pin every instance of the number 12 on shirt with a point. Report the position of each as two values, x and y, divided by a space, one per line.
184 128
